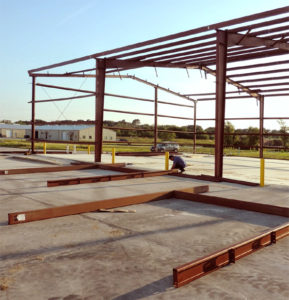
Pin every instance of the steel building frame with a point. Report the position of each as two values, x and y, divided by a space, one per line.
213 49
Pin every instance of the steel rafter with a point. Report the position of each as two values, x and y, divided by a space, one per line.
253 37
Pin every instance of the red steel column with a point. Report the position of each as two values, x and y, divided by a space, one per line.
195 126
99 105
156 119
33 116
261 126
221 66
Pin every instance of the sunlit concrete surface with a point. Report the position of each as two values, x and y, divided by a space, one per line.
131 255
240 168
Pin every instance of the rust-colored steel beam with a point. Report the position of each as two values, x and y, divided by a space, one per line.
267 53
33 115
239 92
265 79
143 129
66 210
221 59
253 17
233 203
65 75
245 97
65 142
99 107
190 271
149 84
146 100
268 84
63 99
105 178
232 82
142 153
214 179
261 126
145 114
64 88
195 126
156 118
56 169
252 41
258 73
128 97
260 65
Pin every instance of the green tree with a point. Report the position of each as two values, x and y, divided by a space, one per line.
253 140
135 122
165 136
284 130
229 139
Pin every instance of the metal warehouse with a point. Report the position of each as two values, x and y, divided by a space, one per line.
75 133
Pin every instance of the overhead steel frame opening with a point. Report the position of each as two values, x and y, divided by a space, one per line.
262 37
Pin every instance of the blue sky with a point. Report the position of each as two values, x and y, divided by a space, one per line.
37 33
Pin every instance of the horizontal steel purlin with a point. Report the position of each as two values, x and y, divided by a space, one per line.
188 272
93 179
60 211
57 169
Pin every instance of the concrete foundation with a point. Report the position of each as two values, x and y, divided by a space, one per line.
131 255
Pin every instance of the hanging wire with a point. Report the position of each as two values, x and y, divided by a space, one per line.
67 105
45 91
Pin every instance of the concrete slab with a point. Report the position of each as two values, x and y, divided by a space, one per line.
240 168
131 255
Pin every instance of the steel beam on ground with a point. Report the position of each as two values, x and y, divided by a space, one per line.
105 178
214 179
99 105
55 169
233 203
66 210
190 271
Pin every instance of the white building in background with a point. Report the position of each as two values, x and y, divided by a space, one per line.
73 133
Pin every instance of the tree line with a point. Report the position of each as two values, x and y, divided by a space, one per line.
184 132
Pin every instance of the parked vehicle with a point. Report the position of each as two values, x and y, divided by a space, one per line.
166 146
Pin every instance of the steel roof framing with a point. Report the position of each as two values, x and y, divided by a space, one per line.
215 49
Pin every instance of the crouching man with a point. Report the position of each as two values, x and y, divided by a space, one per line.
178 163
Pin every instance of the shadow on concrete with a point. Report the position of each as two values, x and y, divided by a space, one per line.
129 235
153 288
89 186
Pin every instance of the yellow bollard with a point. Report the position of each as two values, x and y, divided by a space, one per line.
113 156
262 172
88 149
167 161
44 148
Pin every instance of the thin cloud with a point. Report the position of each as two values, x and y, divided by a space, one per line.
76 13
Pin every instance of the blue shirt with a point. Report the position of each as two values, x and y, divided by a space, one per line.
179 161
